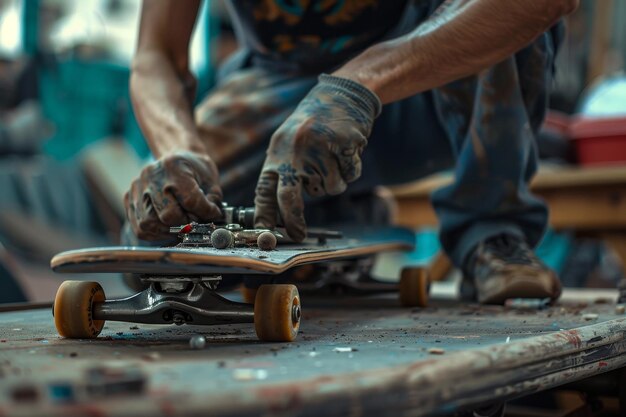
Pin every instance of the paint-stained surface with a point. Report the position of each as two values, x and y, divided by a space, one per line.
353 357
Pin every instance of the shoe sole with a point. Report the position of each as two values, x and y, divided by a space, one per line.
519 287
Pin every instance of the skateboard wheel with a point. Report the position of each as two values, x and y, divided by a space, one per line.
73 309
277 313
221 239
266 241
248 294
414 285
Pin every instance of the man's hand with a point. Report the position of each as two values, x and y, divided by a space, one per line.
174 190
317 148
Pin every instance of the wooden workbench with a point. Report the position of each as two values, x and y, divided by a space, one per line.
586 200
358 357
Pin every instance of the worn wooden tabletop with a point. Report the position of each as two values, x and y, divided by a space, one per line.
364 356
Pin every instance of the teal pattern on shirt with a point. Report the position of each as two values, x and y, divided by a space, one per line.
313 32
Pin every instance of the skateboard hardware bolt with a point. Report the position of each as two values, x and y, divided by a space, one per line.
296 313
178 318
197 342
221 239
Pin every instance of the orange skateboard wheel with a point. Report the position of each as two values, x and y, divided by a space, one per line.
277 312
413 287
73 309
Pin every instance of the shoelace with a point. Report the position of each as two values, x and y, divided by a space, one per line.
511 248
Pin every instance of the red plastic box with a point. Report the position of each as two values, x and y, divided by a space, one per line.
599 141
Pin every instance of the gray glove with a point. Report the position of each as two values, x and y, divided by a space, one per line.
317 148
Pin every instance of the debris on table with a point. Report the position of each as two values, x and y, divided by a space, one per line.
527 303
25 393
344 349
436 351
107 381
197 342
250 374
590 316
152 356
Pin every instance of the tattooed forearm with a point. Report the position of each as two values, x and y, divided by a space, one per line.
462 38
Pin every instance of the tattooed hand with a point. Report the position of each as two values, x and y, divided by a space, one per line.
174 190
317 148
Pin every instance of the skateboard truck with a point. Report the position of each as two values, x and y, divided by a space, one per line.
80 308
176 300
346 276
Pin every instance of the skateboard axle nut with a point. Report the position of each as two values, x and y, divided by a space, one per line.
296 313
178 318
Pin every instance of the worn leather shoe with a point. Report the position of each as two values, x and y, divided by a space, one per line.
504 267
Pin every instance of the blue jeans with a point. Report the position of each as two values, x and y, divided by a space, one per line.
483 126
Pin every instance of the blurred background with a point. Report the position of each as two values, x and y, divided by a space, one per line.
70 146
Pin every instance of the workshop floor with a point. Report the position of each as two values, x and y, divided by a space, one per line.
365 356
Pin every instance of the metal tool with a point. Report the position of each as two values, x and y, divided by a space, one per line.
244 216
236 228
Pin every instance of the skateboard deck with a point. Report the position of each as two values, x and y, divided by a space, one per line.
249 260
181 282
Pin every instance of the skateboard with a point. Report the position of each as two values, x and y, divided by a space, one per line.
181 281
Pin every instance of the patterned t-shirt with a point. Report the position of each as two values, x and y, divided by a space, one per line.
313 32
